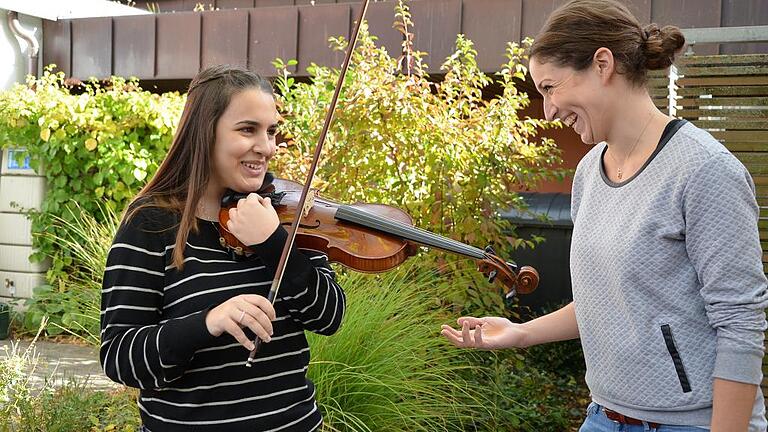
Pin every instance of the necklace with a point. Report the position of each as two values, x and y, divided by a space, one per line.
619 173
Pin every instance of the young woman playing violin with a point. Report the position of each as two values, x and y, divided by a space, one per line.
179 311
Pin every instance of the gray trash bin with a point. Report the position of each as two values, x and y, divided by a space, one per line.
551 257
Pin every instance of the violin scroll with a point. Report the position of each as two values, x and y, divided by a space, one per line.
522 281
527 279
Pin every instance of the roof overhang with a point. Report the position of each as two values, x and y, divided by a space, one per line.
57 9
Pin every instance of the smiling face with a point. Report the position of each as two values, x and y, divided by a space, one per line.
577 98
245 141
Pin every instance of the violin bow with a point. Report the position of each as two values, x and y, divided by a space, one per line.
310 176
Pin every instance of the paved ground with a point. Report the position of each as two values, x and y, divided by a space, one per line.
63 361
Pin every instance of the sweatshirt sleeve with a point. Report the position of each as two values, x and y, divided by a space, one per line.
138 348
309 288
723 243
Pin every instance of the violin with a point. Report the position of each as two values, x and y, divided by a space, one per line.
370 238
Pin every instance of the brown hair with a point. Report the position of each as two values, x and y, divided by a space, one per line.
183 175
574 31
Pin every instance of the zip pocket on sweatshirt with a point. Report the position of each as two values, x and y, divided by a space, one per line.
666 331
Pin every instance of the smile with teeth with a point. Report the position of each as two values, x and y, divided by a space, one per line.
252 166
571 119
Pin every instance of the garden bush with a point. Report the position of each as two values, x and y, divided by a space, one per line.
95 145
73 305
440 150
388 368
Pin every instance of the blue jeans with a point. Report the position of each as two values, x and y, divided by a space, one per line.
596 421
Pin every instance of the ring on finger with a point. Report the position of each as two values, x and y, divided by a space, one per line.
242 315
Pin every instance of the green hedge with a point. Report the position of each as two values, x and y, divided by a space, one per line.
95 146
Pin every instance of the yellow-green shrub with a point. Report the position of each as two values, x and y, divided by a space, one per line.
438 149
95 145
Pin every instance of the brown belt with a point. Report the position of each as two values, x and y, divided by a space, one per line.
621 418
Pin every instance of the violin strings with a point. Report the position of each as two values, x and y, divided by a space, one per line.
416 234
364 218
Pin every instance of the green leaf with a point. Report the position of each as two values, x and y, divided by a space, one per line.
41 290
53 329
139 174
54 308
33 319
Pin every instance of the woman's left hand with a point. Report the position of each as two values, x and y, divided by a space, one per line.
253 220
486 333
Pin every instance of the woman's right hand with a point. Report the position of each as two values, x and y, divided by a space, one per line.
246 310
253 220
486 333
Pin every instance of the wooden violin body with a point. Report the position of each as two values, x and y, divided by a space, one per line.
357 247
369 238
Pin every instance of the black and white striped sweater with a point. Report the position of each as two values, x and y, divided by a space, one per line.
154 335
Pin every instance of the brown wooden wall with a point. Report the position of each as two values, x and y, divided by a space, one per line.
254 32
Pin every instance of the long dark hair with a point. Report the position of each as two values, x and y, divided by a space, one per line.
181 179
574 31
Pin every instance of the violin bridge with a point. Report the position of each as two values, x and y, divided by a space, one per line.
311 195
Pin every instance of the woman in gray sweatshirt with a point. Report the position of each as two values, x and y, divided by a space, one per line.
668 284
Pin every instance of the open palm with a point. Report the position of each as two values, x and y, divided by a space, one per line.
485 333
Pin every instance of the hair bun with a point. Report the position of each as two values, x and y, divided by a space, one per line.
650 31
660 45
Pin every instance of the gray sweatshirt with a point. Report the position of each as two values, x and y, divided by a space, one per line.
668 281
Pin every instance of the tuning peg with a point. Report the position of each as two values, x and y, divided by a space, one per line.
510 295
512 265
492 276
489 250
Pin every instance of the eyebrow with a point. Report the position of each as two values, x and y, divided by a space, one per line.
252 123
